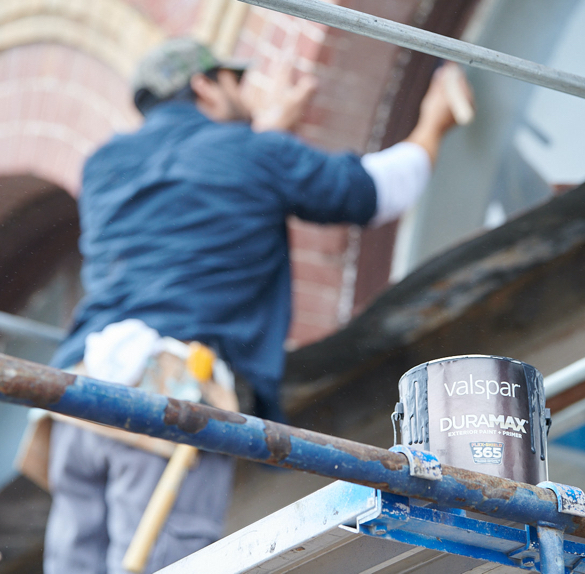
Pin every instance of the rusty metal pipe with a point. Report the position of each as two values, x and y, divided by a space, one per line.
248 437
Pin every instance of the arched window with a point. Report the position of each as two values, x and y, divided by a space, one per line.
39 279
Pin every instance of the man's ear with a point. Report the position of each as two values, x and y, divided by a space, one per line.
204 89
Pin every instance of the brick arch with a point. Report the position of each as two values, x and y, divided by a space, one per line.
64 66
57 104
112 31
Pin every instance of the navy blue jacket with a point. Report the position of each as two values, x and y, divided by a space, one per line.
183 226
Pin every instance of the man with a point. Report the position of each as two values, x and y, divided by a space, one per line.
184 228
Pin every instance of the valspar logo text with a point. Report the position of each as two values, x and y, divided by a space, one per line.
486 387
503 422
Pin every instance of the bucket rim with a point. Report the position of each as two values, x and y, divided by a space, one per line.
470 356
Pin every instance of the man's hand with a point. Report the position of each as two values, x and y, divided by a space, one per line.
285 103
448 88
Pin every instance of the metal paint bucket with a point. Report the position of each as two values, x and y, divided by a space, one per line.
480 413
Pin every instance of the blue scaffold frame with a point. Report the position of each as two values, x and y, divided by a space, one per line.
455 533
303 531
552 511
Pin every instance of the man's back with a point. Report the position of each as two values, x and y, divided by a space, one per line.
183 226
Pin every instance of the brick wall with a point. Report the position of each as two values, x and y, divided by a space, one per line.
63 91
57 104
353 73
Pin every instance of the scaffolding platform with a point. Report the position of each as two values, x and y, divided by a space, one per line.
352 529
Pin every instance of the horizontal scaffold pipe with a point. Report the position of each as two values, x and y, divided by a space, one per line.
29 328
428 43
244 436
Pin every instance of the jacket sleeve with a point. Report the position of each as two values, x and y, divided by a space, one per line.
315 185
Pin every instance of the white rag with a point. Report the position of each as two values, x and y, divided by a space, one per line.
120 352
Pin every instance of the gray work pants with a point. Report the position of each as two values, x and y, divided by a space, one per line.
100 489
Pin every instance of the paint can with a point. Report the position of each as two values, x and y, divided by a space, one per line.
478 412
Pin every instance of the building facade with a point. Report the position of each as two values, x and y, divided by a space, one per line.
64 70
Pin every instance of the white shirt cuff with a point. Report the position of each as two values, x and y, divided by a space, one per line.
401 174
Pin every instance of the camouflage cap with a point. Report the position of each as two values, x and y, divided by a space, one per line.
169 67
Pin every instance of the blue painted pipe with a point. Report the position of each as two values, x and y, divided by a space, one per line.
263 441
552 555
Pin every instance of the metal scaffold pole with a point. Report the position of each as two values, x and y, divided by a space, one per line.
24 327
428 43
245 436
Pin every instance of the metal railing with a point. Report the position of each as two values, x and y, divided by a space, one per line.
564 378
29 328
248 437
428 43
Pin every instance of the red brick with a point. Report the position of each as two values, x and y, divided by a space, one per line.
71 179
310 288
179 16
244 50
13 68
331 239
5 64
50 103
176 17
45 158
19 62
63 157
90 73
315 304
36 100
35 59
114 88
316 115
119 92
327 55
317 135
325 274
255 22
399 10
7 108
316 257
336 33
24 145
56 62
263 64
317 319
68 110
24 103
307 48
278 37
92 124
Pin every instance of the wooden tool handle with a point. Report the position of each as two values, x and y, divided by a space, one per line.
159 507
459 100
